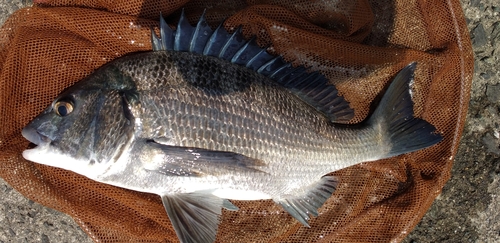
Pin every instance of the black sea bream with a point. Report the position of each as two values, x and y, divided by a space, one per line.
208 116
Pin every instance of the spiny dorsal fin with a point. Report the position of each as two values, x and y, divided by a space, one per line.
311 87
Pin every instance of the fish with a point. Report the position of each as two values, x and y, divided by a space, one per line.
208 117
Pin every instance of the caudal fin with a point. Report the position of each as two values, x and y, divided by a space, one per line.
395 117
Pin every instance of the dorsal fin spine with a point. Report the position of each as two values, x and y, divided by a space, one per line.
226 49
196 32
272 75
254 58
200 36
165 34
267 64
273 65
211 48
243 50
183 34
155 41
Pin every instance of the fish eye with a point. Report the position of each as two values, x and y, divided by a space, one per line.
63 108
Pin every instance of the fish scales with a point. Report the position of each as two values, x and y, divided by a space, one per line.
261 121
208 116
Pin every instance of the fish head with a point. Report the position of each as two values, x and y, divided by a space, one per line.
85 127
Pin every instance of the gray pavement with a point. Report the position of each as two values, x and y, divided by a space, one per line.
468 209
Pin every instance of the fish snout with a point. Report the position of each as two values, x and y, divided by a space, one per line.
34 136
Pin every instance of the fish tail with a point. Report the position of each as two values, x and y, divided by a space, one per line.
394 116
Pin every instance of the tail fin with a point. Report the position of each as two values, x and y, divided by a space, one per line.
394 115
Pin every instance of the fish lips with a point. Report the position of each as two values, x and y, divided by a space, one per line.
35 137
36 154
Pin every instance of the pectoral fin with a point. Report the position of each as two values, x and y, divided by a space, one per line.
195 216
187 161
301 206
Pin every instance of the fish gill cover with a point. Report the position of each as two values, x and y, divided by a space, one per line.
46 49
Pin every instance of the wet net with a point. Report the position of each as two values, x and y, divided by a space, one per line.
358 44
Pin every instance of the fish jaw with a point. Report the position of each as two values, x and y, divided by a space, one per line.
46 155
49 155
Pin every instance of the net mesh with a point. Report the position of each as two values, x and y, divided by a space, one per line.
358 44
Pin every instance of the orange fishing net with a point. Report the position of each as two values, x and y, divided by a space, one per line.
358 44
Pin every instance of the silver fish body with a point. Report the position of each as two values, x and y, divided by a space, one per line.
254 118
198 130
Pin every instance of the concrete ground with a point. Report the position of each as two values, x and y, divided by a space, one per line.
468 209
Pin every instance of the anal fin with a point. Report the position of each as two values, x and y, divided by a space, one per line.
301 206
195 216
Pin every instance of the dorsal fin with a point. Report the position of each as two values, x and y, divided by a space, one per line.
311 87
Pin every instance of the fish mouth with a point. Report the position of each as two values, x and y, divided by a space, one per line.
35 137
